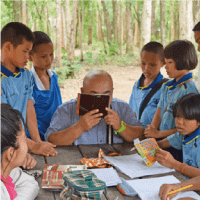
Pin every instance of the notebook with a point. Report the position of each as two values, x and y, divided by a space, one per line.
149 188
86 103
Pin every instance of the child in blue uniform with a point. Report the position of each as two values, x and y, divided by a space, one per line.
180 58
46 91
16 86
152 59
186 112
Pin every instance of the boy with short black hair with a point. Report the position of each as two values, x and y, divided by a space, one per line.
16 86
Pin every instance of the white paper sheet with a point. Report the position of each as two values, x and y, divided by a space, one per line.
149 188
108 175
134 166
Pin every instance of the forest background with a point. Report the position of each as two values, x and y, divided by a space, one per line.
103 34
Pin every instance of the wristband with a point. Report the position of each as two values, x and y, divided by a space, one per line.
183 165
123 127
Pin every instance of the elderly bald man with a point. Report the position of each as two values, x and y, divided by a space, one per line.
67 128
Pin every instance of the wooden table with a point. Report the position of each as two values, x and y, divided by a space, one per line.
72 155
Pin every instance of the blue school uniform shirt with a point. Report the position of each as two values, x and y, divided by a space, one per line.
16 89
171 92
65 116
45 101
190 145
139 94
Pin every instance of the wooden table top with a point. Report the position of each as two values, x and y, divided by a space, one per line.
72 155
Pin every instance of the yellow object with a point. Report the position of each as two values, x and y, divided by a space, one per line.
180 189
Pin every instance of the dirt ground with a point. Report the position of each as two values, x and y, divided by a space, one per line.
123 78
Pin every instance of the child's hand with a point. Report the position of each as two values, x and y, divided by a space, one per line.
165 189
151 132
164 158
45 149
29 162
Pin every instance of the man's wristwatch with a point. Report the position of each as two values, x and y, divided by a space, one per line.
123 127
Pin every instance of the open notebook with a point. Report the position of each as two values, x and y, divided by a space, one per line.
149 188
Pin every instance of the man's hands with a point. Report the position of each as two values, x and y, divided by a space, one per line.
165 158
90 119
44 148
112 118
29 162
151 132
165 189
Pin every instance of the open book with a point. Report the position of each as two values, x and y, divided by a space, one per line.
52 175
86 103
146 148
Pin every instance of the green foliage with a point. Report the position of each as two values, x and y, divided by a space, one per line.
89 57
113 49
68 70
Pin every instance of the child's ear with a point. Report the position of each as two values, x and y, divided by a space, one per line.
7 47
9 153
82 91
163 64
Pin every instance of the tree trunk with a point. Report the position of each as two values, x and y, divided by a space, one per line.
70 55
162 21
82 30
146 24
90 27
107 23
114 4
121 28
189 21
153 19
196 11
99 33
182 20
24 11
129 41
137 28
79 25
58 34
47 18
17 11
68 24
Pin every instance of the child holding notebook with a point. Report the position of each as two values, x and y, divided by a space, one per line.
180 58
186 112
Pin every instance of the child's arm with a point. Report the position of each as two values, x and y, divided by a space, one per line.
166 159
36 145
164 144
152 130
166 188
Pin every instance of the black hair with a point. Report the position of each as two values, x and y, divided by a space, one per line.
183 53
15 32
188 107
155 47
196 27
40 38
11 120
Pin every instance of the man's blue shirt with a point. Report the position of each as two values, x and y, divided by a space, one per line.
171 92
65 116
16 89
139 94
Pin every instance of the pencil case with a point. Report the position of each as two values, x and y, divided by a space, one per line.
126 189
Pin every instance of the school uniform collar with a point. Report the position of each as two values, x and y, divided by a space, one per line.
39 83
157 79
173 84
6 73
192 137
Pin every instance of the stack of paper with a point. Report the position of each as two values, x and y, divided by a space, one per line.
108 175
134 166
149 188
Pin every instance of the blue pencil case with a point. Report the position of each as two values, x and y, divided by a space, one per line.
126 189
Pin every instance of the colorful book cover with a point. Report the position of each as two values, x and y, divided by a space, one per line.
146 148
52 175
